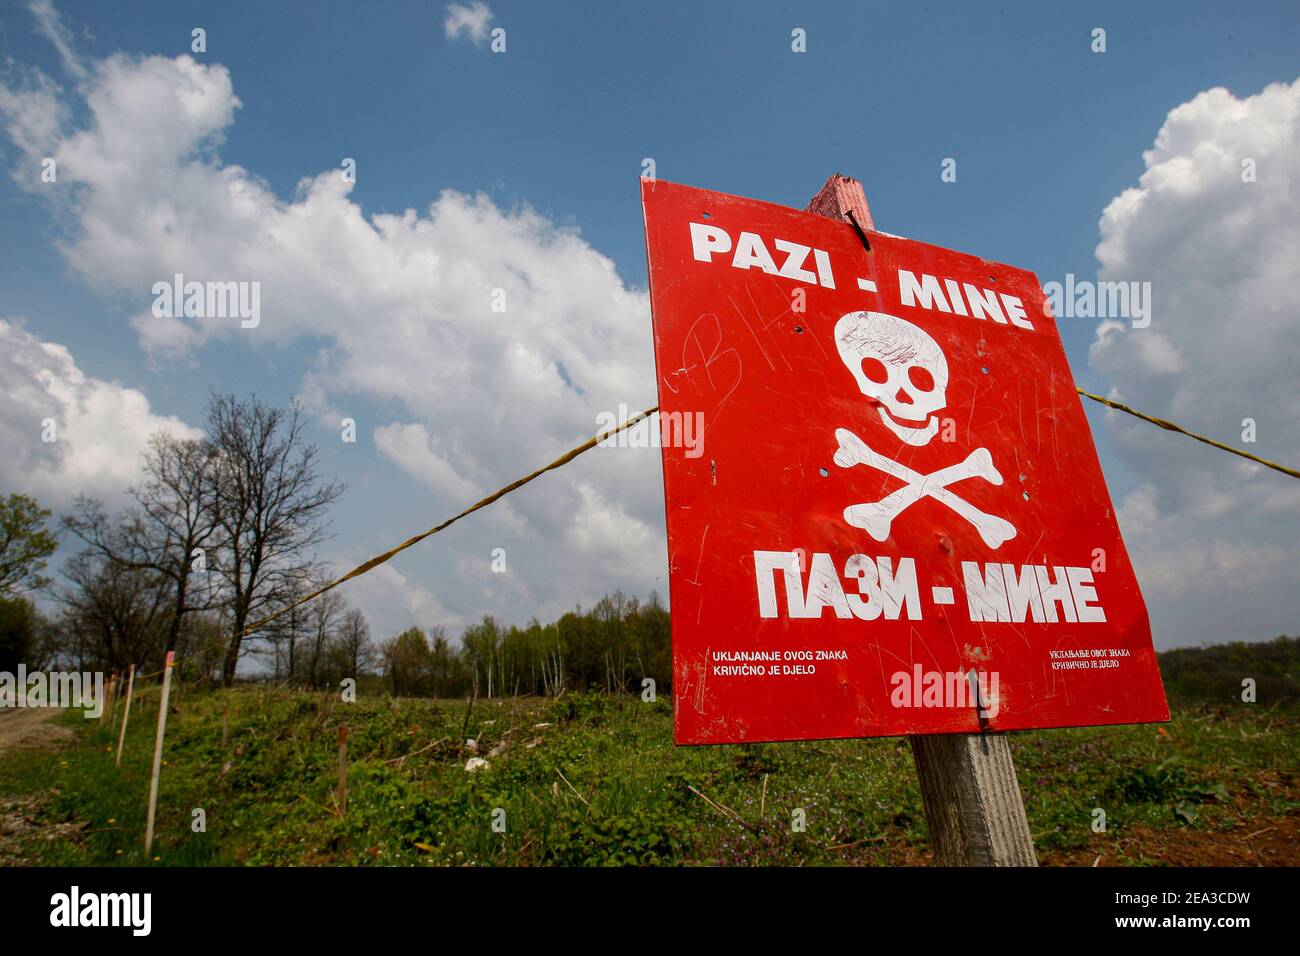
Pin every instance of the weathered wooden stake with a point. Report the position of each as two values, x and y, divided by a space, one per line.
972 800
114 693
108 698
968 781
157 751
343 771
126 714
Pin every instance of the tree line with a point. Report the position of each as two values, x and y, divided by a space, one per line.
614 646
221 531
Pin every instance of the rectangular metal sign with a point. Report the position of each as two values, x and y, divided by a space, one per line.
893 520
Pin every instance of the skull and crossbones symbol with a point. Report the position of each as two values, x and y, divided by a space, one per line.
903 370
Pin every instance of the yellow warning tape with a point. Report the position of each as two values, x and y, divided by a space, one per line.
1170 426
374 562
593 442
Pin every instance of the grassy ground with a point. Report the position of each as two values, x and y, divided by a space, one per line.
597 780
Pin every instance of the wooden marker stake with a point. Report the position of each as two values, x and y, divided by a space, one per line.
157 751
108 698
343 771
126 714
114 693
968 781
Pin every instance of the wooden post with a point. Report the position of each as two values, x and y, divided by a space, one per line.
842 199
126 714
108 698
972 800
968 781
112 699
157 751
343 771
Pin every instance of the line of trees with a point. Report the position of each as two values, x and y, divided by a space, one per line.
613 647
221 531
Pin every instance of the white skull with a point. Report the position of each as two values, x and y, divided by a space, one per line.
899 366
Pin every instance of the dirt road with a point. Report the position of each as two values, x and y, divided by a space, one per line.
30 727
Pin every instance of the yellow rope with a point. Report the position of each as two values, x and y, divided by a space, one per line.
593 442
374 562
1170 426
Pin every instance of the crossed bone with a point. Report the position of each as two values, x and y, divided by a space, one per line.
875 517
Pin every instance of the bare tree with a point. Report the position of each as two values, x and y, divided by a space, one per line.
177 520
352 648
171 531
113 614
270 503
324 616
288 633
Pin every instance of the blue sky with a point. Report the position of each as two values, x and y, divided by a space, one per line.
1045 132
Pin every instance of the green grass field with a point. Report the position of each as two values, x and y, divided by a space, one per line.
594 779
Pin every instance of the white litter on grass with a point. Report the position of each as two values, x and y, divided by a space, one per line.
475 763
471 745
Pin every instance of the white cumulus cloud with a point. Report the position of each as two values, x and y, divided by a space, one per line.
98 429
494 335
1215 539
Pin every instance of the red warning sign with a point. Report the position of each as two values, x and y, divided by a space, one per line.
887 515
